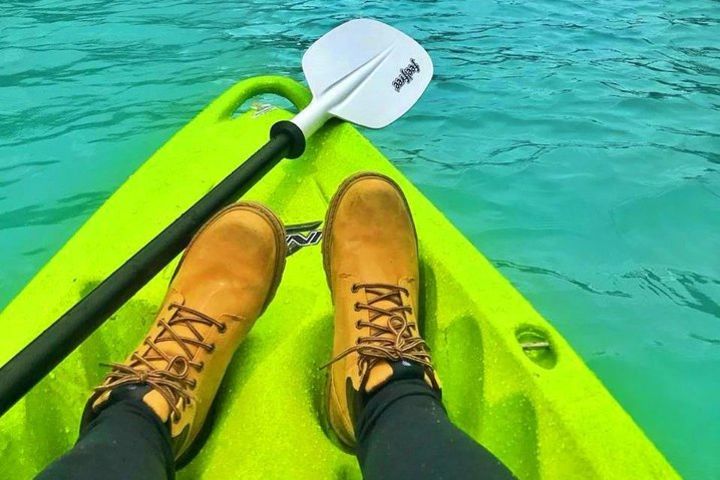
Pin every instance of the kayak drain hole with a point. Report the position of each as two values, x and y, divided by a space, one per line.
536 345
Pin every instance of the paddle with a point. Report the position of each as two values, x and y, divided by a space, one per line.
362 71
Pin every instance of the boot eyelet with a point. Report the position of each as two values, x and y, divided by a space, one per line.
357 306
222 328
357 324
354 288
200 366
193 385
211 348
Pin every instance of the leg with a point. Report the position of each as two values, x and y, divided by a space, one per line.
125 437
404 433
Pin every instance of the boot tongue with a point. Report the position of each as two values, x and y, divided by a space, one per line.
389 304
384 370
171 347
193 329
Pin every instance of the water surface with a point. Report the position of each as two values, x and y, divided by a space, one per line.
576 145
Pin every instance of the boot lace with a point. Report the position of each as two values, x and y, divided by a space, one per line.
171 382
394 339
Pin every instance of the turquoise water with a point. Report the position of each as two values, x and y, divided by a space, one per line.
577 146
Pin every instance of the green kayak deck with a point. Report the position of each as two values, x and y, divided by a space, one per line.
510 380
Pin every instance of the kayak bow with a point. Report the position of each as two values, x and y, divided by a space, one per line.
510 380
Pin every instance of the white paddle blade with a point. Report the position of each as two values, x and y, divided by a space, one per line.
365 72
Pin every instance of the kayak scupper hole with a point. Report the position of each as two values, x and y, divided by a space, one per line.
264 103
536 345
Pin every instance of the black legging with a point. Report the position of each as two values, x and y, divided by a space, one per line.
403 433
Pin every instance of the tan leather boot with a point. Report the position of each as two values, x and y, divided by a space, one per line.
226 278
371 262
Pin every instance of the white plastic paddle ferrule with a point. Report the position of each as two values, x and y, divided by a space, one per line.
320 109
312 117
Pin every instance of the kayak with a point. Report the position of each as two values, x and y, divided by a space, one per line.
509 379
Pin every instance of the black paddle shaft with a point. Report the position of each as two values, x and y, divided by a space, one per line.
38 358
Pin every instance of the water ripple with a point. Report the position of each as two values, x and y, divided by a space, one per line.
577 142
